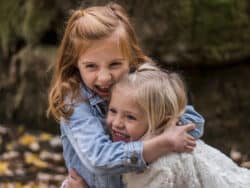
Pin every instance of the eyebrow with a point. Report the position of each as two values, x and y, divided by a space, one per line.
132 113
118 59
87 62
126 112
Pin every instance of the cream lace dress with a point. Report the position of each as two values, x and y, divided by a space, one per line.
205 167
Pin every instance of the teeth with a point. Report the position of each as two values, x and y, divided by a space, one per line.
121 135
104 88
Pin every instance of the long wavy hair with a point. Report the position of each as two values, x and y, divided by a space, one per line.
83 27
160 94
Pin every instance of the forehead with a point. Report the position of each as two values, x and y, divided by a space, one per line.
122 97
124 102
108 47
112 47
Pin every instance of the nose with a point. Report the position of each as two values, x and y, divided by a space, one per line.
117 122
104 76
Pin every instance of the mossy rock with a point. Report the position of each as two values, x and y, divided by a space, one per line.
24 89
183 32
188 33
195 32
24 23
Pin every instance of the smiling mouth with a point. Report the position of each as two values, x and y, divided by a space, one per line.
102 90
117 136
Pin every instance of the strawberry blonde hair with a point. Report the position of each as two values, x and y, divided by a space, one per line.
83 27
161 95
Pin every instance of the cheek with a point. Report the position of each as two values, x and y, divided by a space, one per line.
126 69
139 131
109 121
133 131
82 74
87 77
120 73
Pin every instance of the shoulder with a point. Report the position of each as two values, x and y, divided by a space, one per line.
80 111
166 161
174 164
161 173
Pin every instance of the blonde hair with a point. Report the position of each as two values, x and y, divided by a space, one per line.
83 27
160 94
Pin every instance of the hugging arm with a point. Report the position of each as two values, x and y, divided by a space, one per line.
191 116
86 144
74 181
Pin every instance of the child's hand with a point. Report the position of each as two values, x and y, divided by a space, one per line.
173 139
179 138
74 180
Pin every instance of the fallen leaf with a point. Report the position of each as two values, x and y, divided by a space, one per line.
245 164
4 167
10 146
235 155
10 155
20 129
3 130
34 146
45 137
45 155
55 142
20 172
34 160
27 139
59 177
44 177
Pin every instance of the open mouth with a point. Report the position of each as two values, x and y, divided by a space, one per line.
102 91
117 136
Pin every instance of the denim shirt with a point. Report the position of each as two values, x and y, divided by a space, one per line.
88 148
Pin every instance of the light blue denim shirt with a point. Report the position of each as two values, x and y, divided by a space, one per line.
88 148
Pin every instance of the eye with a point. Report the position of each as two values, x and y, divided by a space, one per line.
115 64
91 66
112 111
131 117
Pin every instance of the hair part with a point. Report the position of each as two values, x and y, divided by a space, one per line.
83 27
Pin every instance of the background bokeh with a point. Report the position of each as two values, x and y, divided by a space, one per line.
207 41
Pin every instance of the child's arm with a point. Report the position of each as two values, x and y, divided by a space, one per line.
174 139
87 145
191 116
83 136
74 181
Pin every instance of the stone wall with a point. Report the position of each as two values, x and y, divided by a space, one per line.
190 34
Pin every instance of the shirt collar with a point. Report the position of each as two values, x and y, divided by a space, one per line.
93 98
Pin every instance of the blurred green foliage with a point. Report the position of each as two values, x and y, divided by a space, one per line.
24 20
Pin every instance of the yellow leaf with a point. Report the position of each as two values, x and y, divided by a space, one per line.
10 146
3 167
18 185
20 129
27 139
34 160
45 136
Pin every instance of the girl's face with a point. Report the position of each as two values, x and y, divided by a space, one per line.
102 65
126 120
